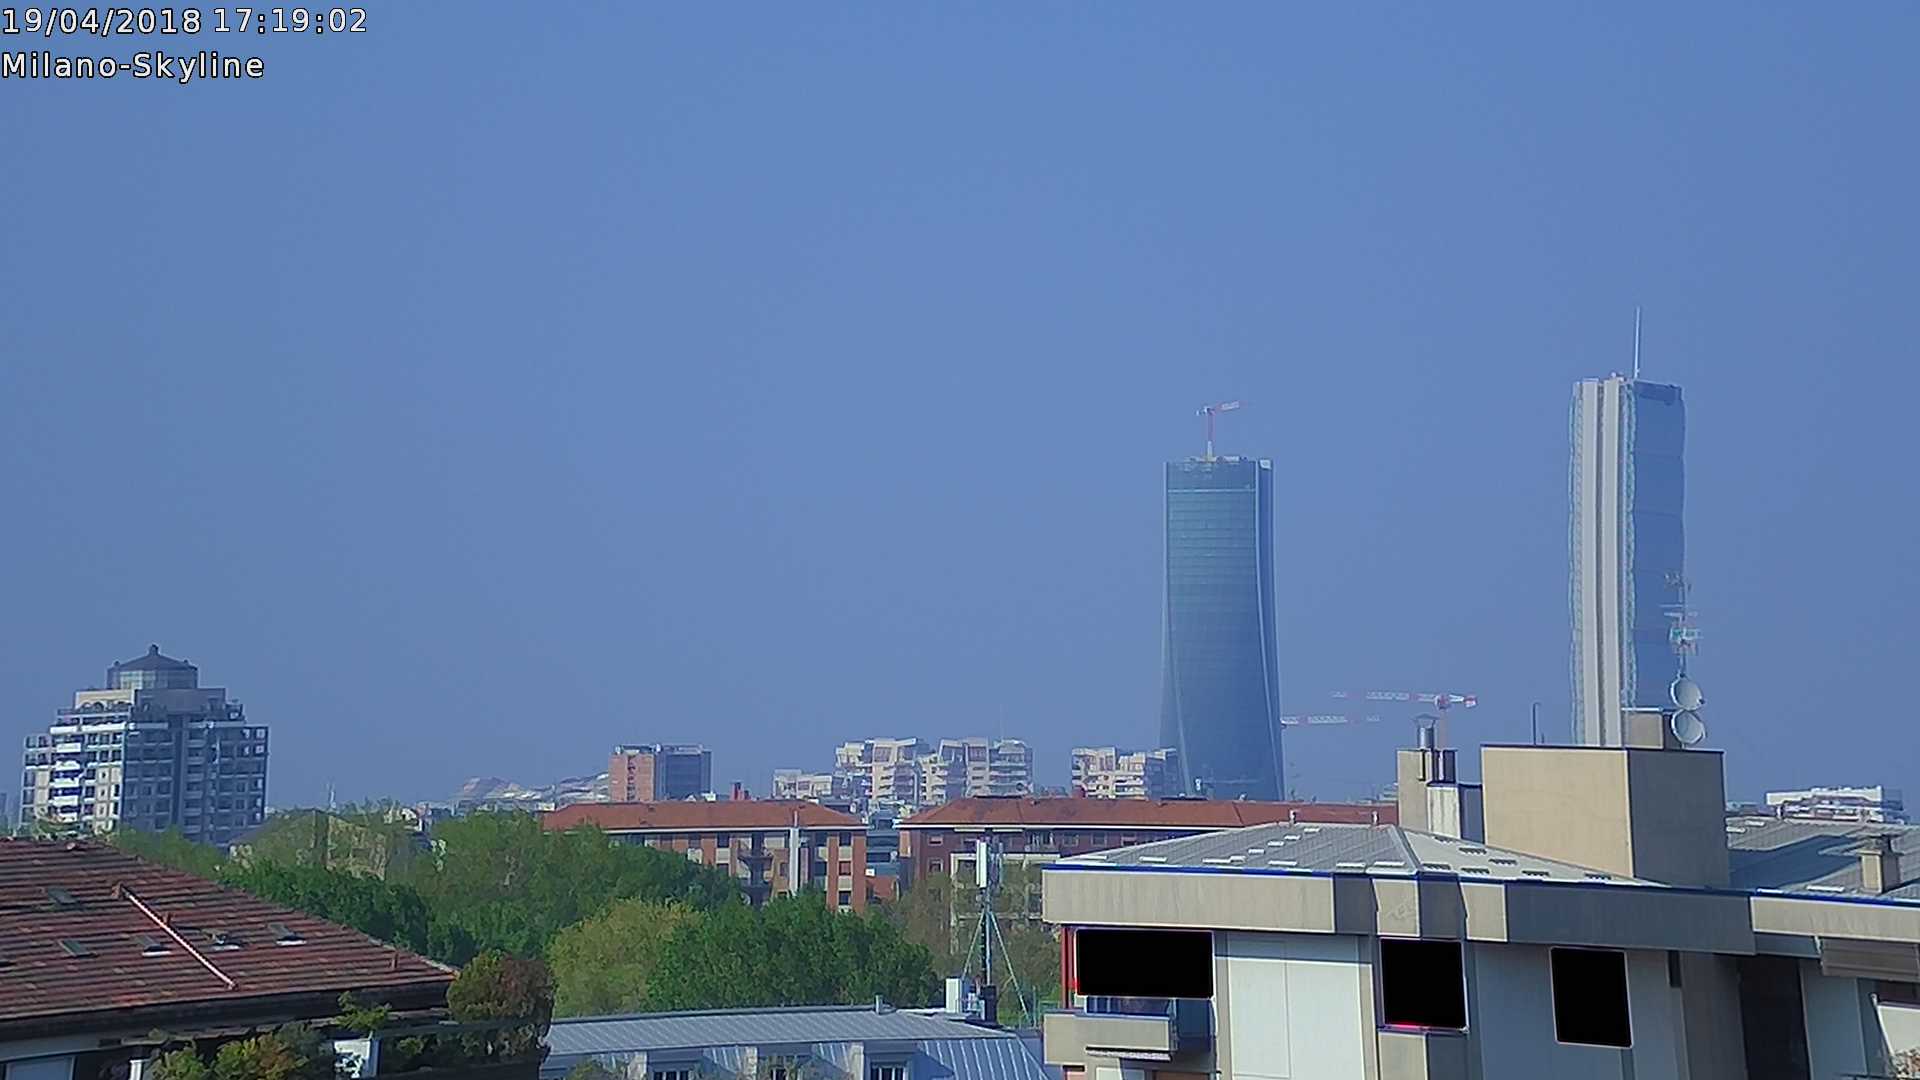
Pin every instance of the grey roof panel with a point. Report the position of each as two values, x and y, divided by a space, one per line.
753 1027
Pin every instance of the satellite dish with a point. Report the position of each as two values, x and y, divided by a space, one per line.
1688 727
1686 694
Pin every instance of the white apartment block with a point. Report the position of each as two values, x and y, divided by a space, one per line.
1877 803
812 787
1106 772
153 750
906 775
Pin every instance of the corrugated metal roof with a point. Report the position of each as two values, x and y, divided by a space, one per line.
1073 812
1374 850
960 1051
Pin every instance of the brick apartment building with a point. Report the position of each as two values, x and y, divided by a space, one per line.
940 840
656 772
771 847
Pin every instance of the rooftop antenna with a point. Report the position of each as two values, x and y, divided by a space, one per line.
1636 343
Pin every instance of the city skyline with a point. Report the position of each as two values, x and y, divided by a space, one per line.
463 394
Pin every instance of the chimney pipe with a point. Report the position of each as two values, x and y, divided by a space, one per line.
1880 865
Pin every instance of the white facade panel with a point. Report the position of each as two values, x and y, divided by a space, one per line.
1838 1019
1296 1006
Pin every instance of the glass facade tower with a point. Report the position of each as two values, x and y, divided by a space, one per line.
1220 687
1627 549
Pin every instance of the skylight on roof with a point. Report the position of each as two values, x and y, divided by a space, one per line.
152 945
285 935
62 898
1826 888
223 941
75 948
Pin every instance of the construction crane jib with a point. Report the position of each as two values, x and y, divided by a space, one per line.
1211 411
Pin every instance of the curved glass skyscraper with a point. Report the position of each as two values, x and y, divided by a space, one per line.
1220 691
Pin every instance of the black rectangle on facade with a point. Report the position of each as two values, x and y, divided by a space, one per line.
1143 963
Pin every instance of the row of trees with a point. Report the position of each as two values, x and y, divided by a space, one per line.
944 918
625 928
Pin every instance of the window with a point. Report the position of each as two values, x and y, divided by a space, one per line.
1143 963
886 1072
1590 997
673 1074
1422 984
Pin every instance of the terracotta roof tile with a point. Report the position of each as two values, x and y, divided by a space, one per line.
695 816
1063 813
41 978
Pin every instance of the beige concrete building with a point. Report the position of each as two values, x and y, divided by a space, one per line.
1602 926
1108 772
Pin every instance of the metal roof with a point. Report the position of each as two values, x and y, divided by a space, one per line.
1815 857
1374 850
827 1033
755 1027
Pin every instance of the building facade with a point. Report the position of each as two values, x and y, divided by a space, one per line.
771 848
975 768
1627 549
656 772
1220 688
1600 927
897 775
1107 772
151 750
1862 804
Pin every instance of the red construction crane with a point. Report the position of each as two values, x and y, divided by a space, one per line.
1211 411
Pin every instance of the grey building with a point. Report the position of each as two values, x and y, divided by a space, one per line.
1627 548
1220 687
152 749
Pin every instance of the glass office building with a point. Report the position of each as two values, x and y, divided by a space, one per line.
1220 696
1627 549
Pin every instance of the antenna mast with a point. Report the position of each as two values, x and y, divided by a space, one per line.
1636 343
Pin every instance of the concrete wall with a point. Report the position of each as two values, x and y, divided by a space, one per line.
1510 1020
1843 1029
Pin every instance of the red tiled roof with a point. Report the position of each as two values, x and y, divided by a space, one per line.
699 816
42 983
1066 813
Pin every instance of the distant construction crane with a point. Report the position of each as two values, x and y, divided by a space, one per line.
1211 411
1442 703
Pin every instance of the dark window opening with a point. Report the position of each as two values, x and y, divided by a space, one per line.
1422 984
1590 997
1773 1018
1143 963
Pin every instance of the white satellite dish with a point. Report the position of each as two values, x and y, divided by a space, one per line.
1688 727
1686 694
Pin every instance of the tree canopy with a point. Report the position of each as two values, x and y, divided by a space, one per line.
604 964
793 951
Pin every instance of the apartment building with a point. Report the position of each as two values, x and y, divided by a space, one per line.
1599 924
1107 772
813 787
655 772
773 848
975 768
1877 803
1040 830
152 749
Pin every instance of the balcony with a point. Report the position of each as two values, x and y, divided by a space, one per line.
1153 1029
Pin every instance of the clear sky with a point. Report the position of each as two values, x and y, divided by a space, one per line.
511 380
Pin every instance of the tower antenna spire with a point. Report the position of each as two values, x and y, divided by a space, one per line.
1636 343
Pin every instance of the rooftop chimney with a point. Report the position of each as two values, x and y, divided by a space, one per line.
1880 865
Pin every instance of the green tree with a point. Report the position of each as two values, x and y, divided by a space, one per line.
945 920
589 1069
380 909
510 884
181 1064
499 986
602 964
794 951
170 848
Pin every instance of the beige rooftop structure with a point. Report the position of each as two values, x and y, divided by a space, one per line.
1588 921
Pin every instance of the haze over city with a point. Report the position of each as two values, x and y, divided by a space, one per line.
773 381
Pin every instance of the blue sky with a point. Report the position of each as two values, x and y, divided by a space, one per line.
485 389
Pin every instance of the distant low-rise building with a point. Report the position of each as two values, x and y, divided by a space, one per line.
813 787
1875 803
1036 830
657 772
904 775
152 749
772 848
1107 772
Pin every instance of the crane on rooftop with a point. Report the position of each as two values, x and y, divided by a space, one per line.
1211 411
1441 702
